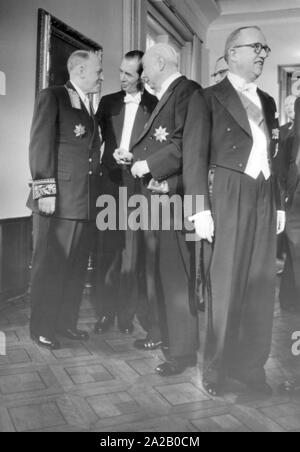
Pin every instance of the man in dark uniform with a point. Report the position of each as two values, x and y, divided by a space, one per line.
122 117
158 155
286 140
290 285
64 161
240 143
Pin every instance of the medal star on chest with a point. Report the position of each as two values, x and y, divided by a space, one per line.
161 134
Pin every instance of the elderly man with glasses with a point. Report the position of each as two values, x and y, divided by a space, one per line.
221 70
238 222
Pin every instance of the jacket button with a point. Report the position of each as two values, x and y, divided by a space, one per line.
101 174
234 148
145 148
90 160
90 173
241 165
229 129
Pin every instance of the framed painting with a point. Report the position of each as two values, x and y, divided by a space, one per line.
56 41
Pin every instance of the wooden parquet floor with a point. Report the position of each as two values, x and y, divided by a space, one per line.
105 385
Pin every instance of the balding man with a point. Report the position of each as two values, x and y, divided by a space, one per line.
158 156
64 161
221 70
241 216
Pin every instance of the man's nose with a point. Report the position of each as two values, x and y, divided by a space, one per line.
263 54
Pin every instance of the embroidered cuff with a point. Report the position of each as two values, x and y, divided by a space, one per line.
43 188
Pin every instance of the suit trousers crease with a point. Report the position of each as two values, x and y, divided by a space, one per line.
60 257
242 277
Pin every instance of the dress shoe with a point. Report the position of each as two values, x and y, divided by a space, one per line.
289 387
174 367
103 325
147 344
212 389
42 341
75 335
128 329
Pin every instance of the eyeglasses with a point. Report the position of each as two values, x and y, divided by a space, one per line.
222 72
257 46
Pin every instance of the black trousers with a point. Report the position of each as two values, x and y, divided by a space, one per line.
60 257
118 271
242 276
170 286
290 285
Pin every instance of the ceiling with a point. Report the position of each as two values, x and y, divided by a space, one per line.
249 6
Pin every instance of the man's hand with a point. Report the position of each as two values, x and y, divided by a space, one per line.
158 187
47 205
122 156
204 225
281 221
140 169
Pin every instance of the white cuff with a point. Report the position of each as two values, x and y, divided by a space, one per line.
200 215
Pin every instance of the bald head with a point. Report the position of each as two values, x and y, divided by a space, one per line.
165 52
221 70
160 62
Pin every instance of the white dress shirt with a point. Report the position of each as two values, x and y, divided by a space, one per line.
167 83
258 159
132 102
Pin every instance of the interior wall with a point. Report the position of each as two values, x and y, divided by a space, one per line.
283 37
100 20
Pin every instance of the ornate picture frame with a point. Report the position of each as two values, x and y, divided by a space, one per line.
289 83
56 41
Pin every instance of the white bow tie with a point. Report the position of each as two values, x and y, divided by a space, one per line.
130 99
250 87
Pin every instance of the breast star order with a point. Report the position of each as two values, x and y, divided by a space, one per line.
161 134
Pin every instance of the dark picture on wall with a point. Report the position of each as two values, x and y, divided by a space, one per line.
289 83
56 41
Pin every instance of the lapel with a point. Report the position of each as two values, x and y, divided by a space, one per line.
118 116
160 106
140 120
83 112
229 98
268 112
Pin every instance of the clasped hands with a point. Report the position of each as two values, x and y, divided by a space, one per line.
122 157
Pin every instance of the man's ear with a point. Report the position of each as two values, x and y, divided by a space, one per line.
161 63
232 54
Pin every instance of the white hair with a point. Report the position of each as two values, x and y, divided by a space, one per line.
164 51
77 58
